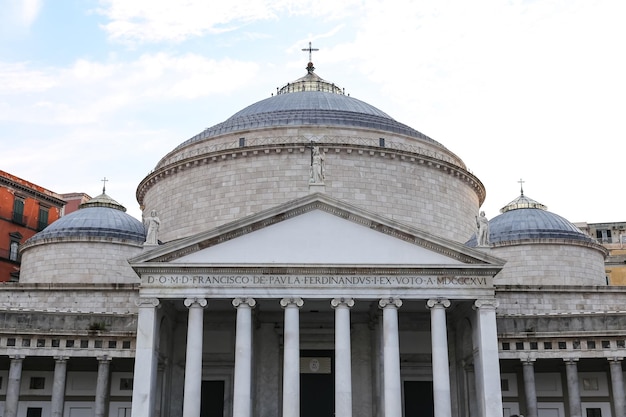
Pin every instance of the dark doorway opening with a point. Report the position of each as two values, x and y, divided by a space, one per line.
212 402
418 399
317 383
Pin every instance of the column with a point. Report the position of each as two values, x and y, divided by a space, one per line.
528 367
291 357
343 357
144 377
58 387
441 367
488 369
573 391
102 387
13 386
193 360
617 383
242 395
391 357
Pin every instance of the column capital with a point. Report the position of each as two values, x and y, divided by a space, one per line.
528 361
570 361
16 358
341 301
389 302
242 301
436 302
147 302
486 303
104 358
297 301
615 359
200 302
61 358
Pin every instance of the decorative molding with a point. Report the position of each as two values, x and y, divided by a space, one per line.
250 302
147 302
390 302
219 152
486 303
297 301
440 301
192 302
336 302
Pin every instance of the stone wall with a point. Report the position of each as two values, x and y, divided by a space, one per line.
198 195
557 263
560 300
111 299
82 261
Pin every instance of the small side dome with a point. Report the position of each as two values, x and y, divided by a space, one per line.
99 237
525 218
100 217
542 248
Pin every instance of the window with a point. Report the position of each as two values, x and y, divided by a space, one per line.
14 250
603 236
594 412
37 382
126 384
42 221
34 412
14 246
18 210
123 412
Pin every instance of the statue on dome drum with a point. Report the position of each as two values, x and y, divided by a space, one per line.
317 166
152 224
482 235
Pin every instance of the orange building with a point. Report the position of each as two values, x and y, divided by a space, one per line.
25 209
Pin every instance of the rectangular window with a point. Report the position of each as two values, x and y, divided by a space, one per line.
603 236
14 251
42 222
34 412
123 412
18 210
126 384
594 412
37 382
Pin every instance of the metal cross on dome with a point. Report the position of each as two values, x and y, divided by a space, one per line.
104 184
310 49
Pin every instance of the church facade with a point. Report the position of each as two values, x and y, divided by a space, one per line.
311 256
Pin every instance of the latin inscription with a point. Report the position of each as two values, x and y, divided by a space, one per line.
313 281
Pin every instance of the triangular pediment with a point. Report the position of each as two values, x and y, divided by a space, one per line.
316 230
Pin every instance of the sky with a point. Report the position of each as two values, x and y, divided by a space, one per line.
520 90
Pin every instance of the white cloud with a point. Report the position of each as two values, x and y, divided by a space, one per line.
164 20
17 17
87 91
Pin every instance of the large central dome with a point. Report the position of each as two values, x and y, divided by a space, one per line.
308 101
262 157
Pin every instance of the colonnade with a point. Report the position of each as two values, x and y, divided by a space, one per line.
58 386
486 368
573 389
